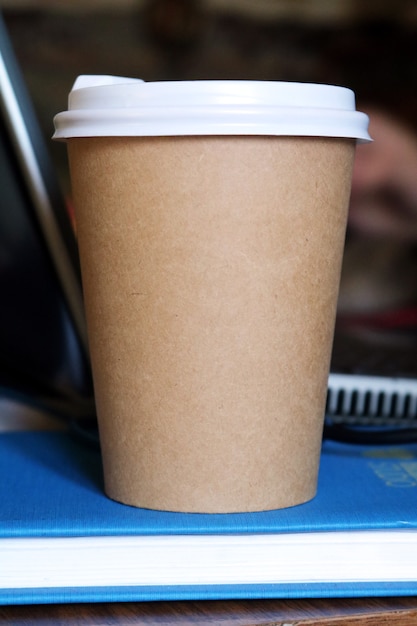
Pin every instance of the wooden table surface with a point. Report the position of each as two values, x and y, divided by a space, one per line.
340 612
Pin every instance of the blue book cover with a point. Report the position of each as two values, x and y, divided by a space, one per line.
63 540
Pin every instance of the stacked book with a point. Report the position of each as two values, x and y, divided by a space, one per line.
63 540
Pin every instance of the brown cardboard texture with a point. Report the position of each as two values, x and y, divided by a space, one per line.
211 268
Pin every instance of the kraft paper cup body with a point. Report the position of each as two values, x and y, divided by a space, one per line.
211 266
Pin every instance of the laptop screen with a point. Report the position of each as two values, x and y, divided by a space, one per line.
43 339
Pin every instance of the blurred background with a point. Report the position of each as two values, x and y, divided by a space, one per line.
370 46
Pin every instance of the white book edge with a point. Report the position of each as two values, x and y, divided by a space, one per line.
336 557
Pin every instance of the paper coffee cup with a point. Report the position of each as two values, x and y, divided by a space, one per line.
211 220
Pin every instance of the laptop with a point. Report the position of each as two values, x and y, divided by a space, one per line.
43 336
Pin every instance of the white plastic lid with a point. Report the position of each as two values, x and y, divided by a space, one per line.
104 106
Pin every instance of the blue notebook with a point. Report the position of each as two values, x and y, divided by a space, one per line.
63 540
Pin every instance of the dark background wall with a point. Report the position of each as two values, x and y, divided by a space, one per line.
369 46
